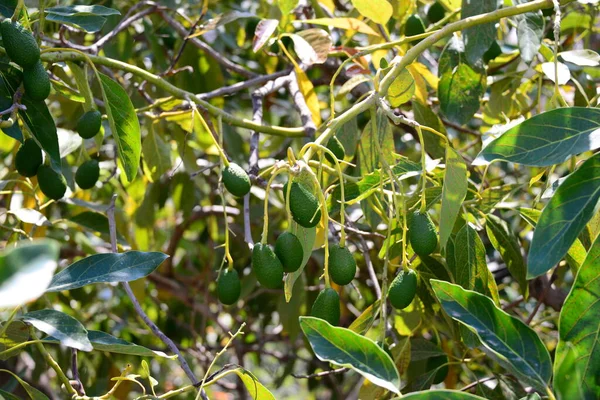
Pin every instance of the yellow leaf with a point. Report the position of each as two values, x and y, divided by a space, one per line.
402 8
344 23
379 11
402 89
308 91
420 85
419 69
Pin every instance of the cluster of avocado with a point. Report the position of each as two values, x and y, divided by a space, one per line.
22 49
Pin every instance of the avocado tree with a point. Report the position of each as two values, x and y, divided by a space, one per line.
300 199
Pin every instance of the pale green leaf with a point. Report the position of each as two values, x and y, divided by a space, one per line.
453 192
402 89
157 156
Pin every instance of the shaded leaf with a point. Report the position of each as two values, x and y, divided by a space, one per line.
371 143
38 119
307 238
439 395
88 23
453 193
96 222
479 38
507 339
63 327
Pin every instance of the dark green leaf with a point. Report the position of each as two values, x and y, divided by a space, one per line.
479 38
580 326
424 115
343 347
83 10
506 339
564 217
38 119
7 8
124 125
97 268
546 139
453 194
95 222
439 395
88 23
63 327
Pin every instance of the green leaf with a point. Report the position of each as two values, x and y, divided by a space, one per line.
478 39
33 393
89 18
568 381
575 202
307 238
7 8
365 321
97 268
371 142
580 326
38 119
83 10
255 388
15 333
124 125
507 339
95 222
582 58
507 244
26 271
530 32
157 156
546 139
402 89
343 347
439 395
63 327
424 115
102 341
379 11
286 6
453 193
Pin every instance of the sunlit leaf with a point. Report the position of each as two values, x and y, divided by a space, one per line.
530 32
402 89
344 23
262 34
256 389
157 156
453 194
379 11
63 327
583 57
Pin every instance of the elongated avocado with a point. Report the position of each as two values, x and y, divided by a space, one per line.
229 286
52 184
336 148
36 82
289 251
327 306
422 234
402 289
304 205
267 267
89 124
236 180
28 158
342 266
87 174
19 43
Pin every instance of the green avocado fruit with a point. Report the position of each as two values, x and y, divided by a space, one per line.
436 12
36 82
89 124
327 306
19 43
342 266
414 26
28 158
422 234
87 174
402 289
229 286
336 148
304 205
52 184
289 251
267 267
236 180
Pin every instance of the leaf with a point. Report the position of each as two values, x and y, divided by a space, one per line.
312 45
31 216
439 395
564 74
507 339
88 23
402 89
286 6
579 325
102 341
157 155
263 32
564 217
530 32
124 125
220 20
26 271
7 8
507 244
255 388
307 238
365 321
379 11
341 346
344 23
107 268
38 119
453 193
478 39
582 58
567 374
83 10
352 83
371 142
546 139
33 393
435 146
63 327
95 222
310 96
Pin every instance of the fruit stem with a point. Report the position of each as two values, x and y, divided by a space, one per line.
195 113
423 208
225 216
277 169
17 12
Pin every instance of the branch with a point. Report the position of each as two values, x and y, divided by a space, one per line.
301 106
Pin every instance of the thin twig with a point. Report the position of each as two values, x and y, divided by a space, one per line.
472 385
76 382
321 374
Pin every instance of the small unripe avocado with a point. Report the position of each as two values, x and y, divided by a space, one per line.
89 124
336 148
342 266
19 43
87 174
36 82
436 12
422 234
327 306
304 205
289 251
28 158
236 180
414 26
267 267
53 185
402 289
229 286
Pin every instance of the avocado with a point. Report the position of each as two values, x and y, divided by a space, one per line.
89 124
19 43
336 148
236 180
52 184
414 26
436 12
327 306
289 251
342 266
304 205
87 174
422 234
402 289
267 267
36 82
28 158
229 286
